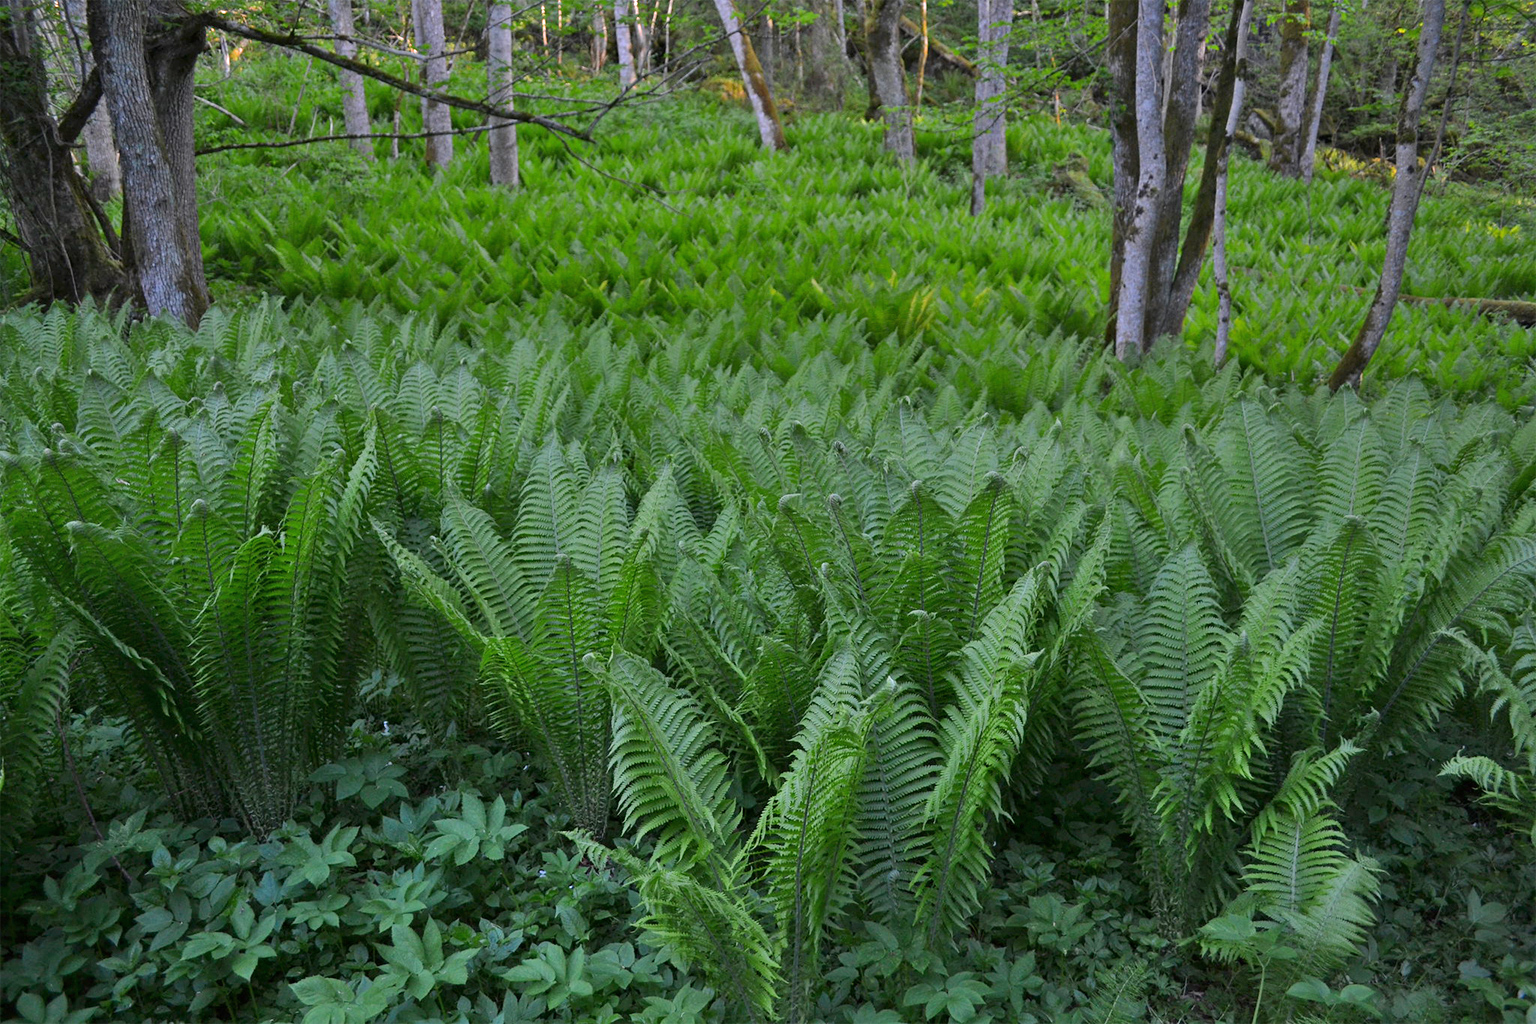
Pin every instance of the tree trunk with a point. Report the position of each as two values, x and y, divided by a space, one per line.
173 51
1201 222
504 169
1239 87
599 40
1319 94
922 56
69 258
621 34
1121 61
100 150
769 129
1285 156
989 146
826 69
164 255
1183 84
887 81
1135 271
354 104
435 116
1406 189
642 38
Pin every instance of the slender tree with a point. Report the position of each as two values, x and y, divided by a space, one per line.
826 68
1141 223
989 145
354 104
428 15
1291 105
100 150
1407 187
503 134
1319 93
623 19
1219 214
769 128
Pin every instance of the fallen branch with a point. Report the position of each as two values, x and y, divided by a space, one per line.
302 45
309 140
1522 313
944 53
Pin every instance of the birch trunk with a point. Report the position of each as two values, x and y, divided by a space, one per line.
769 129
165 257
1131 335
1285 157
621 35
435 117
989 147
100 150
354 104
599 41
69 258
1219 212
1407 186
1319 94
504 168
888 88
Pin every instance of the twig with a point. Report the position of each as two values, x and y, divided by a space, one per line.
6 236
84 802
227 113
340 138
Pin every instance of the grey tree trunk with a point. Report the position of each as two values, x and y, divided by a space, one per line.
642 41
504 169
1219 215
100 150
622 22
173 55
827 66
1179 107
160 219
1285 157
1131 335
769 129
354 104
599 40
69 257
435 116
1319 94
887 77
1121 63
1201 222
989 145
1407 186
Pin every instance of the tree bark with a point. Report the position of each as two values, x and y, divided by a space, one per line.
1135 272
1179 112
887 80
1121 60
1285 156
503 134
599 40
165 257
1319 94
69 258
621 34
435 116
827 68
1197 235
769 128
100 150
354 103
989 145
1406 189
1234 117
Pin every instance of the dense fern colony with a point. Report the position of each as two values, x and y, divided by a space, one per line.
788 629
